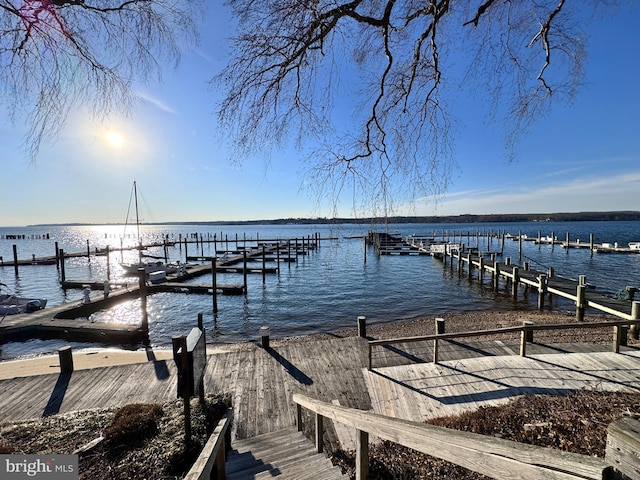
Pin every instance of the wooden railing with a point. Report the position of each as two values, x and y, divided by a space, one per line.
490 456
620 329
211 462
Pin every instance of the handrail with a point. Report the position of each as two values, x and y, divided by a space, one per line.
213 455
491 456
523 329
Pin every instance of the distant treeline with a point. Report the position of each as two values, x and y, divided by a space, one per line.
510 217
625 216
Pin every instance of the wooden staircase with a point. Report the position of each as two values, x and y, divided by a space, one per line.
286 454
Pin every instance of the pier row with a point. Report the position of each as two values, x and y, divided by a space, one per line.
503 274
70 321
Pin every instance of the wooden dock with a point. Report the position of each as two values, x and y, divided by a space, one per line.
261 382
515 278
69 321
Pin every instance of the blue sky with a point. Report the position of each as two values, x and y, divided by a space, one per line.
583 157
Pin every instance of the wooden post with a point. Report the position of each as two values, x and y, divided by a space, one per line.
15 259
526 336
439 330
580 302
244 269
88 251
66 359
519 246
623 444
319 429
107 252
142 283
185 372
542 290
186 255
481 270
362 455
529 332
567 242
470 265
365 249
299 416
624 337
515 282
496 273
62 272
635 315
591 244
264 337
278 256
214 281
617 339
362 326
264 265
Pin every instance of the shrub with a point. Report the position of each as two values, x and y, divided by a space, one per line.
133 423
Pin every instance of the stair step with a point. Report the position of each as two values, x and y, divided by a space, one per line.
286 454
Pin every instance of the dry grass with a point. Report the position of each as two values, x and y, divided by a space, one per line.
574 423
134 442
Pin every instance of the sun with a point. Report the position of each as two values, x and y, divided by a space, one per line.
114 138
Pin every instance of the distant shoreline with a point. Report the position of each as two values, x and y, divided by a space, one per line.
620 216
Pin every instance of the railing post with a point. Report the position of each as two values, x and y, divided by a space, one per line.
362 455
299 416
439 331
580 302
617 338
635 315
319 429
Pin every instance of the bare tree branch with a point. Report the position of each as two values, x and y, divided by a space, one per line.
58 53
291 71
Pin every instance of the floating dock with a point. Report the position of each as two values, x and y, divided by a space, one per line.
515 278
70 321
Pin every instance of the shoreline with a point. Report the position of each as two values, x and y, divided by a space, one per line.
422 325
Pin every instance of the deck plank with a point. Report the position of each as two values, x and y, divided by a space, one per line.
261 383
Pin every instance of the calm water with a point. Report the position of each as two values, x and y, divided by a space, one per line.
323 292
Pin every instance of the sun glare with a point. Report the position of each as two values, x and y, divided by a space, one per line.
114 138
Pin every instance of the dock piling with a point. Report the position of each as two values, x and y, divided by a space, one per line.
214 282
15 259
362 326
142 283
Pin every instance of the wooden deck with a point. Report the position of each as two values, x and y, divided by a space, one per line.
261 382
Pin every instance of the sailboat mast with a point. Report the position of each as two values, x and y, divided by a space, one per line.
135 196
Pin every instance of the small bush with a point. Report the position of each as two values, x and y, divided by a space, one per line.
133 423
